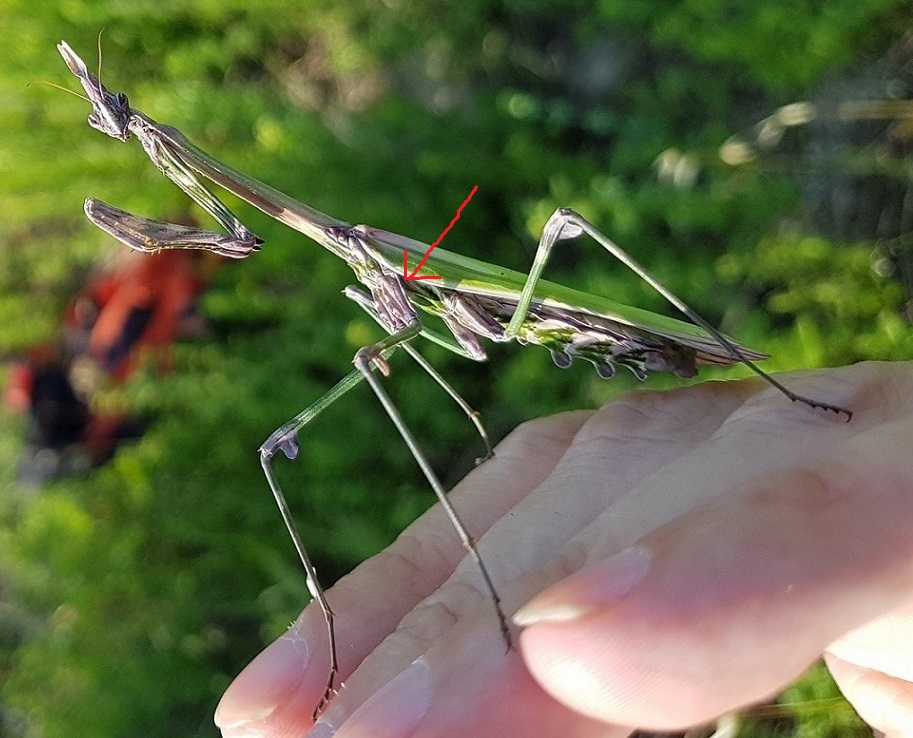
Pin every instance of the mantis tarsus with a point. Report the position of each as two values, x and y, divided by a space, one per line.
474 299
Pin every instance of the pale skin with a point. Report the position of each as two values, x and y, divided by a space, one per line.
767 535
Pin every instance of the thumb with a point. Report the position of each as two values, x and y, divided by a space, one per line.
873 666
733 600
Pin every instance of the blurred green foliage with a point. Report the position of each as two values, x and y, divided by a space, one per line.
131 597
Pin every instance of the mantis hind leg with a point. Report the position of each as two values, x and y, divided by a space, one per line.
565 224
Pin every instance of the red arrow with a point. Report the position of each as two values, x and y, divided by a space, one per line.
414 273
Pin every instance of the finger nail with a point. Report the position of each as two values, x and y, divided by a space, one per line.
322 729
268 681
597 586
395 709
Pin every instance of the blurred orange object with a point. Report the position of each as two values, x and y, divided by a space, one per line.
139 306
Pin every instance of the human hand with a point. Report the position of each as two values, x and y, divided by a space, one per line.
766 534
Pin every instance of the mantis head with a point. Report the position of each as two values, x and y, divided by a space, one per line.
110 112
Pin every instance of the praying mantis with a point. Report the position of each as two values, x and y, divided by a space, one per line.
474 299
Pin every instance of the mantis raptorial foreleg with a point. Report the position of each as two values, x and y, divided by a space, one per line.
566 224
149 236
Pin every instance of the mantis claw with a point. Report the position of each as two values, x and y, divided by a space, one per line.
818 405
479 460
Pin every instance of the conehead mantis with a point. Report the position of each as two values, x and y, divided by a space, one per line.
474 299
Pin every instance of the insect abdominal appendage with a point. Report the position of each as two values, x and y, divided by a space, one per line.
562 359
